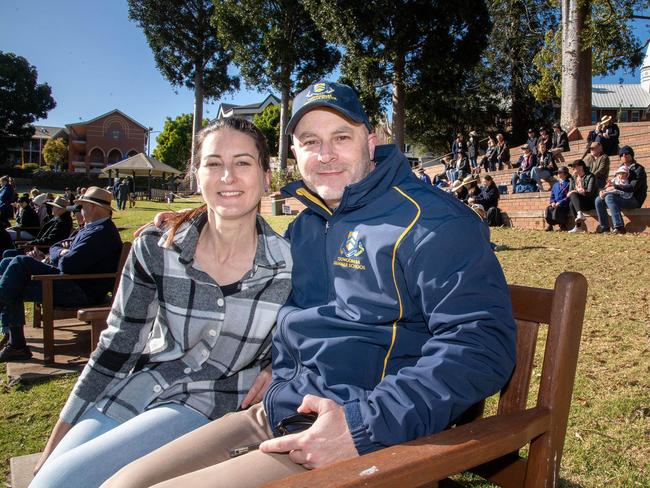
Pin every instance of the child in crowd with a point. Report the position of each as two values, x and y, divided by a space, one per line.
619 180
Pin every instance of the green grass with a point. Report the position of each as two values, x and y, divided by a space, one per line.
607 441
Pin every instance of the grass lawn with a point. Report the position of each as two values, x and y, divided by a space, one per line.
608 435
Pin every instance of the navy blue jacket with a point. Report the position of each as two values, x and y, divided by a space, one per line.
96 248
399 311
54 230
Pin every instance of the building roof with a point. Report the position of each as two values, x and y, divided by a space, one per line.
46 131
619 95
106 115
141 165
231 110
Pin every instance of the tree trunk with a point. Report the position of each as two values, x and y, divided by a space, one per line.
283 143
399 102
198 118
576 65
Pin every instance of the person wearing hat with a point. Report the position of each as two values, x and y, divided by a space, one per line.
527 161
473 149
582 194
609 135
559 142
557 210
58 227
470 182
27 224
95 249
423 176
42 210
399 317
616 196
598 163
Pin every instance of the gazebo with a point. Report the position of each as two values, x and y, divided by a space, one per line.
140 165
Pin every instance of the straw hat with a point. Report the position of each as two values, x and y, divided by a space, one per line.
98 196
469 180
605 119
59 202
40 199
457 185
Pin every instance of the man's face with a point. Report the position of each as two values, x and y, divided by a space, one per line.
626 159
596 149
332 153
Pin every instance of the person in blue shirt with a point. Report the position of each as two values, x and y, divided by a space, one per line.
423 176
558 208
95 249
399 318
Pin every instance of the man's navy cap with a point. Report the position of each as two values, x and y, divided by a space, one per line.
626 150
336 96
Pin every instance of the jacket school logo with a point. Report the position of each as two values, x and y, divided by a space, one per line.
349 251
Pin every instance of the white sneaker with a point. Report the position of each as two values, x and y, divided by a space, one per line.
577 228
580 216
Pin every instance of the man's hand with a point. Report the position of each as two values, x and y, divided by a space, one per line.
257 391
36 253
328 440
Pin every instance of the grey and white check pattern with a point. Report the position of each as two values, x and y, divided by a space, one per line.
173 336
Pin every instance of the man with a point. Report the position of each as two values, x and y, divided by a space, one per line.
423 176
612 200
532 140
608 135
582 193
398 321
95 249
527 161
598 163
27 224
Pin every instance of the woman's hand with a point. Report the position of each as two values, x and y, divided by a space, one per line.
159 220
257 391
60 430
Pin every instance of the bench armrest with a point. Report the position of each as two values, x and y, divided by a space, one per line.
92 314
430 458
59 277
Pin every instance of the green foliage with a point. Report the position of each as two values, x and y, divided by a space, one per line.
274 43
174 143
269 123
184 43
410 45
55 151
282 177
22 100
31 167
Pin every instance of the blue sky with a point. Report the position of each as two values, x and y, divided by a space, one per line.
96 60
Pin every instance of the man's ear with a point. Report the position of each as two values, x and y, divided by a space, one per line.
293 150
372 144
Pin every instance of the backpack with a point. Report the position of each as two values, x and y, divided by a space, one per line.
526 188
494 217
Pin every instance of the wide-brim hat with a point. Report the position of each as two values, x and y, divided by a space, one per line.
457 185
97 196
59 202
468 180
336 96
473 133
40 199
605 119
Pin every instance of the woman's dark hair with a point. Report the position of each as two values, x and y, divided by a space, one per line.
488 178
234 123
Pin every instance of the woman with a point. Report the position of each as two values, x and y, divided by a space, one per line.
557 210
27 224
545 168
503 152
190 329
489 161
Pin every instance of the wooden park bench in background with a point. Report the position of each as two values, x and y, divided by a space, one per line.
46 313
490 446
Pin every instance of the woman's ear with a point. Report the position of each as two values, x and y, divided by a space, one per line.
267 181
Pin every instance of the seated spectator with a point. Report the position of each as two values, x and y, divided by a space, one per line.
598 163
532 141
559 142
488 196
95 249
558 208
440 181
489 161
69 195
471 183
41 209
473 150
544 137
421 174
27 224
582 193
527 161
545 168
503 152
609 135
459 190
57 228
616 196
591 137
450 167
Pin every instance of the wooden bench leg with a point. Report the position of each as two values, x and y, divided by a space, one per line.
36 321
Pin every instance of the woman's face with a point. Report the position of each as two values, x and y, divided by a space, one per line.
229 175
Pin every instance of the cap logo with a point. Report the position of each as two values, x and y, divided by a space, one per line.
319 91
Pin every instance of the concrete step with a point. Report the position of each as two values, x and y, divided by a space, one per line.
22 469
636 220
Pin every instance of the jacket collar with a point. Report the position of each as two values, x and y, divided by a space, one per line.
391 167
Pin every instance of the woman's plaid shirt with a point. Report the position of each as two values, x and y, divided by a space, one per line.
173 336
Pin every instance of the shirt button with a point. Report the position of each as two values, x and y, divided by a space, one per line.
212 332
220 302
205 353
157 388
187 370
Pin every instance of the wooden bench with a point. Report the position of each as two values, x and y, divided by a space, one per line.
490 446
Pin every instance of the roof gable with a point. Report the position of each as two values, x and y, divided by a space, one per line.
112 112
